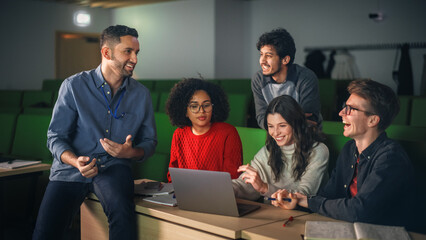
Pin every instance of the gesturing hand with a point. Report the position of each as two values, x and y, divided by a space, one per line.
87 170
251 176
118 150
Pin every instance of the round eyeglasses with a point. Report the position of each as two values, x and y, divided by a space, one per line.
195 108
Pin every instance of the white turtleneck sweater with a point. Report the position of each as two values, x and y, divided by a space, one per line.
315 174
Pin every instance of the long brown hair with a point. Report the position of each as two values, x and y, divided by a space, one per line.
305 136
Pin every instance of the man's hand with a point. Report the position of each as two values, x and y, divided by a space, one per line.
251 176
117 150
87 170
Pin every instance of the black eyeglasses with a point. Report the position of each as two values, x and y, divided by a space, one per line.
349 108
195 108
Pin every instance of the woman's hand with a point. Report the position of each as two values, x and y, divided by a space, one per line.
251 176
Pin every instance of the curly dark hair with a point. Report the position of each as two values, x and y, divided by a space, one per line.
281 40
306 136
181 94
111 35
382 99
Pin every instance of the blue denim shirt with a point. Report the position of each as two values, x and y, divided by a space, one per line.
386 185
81 117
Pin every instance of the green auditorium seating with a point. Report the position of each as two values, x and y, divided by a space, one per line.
162 102
150 84
155 100
13 110
252 139
36 110
404 111
51 85
418 113
10 98
334 140
37 98
242 86
7 131
31 137
165 85
327 90
156 166
238 113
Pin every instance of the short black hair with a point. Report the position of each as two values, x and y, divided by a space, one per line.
381 98
181 94
281 40
111 35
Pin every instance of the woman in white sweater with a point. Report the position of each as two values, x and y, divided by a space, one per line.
293 158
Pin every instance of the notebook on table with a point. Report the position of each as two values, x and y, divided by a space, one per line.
207 191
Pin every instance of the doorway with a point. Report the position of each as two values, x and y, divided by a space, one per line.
76 52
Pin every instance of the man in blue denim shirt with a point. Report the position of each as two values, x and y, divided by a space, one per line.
373 181
103 119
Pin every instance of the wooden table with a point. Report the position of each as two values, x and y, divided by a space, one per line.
156 221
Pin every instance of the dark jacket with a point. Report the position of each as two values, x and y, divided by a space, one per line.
386 186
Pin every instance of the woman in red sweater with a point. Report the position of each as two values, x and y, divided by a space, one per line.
202 140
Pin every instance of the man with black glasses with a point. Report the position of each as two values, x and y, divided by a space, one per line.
102 121
373 181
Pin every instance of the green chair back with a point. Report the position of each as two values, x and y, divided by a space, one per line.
252 140
31 137
327 91
51 85
404 112
150 84
155 100
10 98
7 131
242 86
165 85
162 102
40 98
164 133
238 113
418 113
154 168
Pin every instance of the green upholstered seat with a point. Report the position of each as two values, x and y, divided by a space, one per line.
30 140
7 131
252 139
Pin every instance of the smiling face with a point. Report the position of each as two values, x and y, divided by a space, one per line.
269 61
280 130
124 56
201 121
356 122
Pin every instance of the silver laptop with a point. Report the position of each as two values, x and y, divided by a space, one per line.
207 191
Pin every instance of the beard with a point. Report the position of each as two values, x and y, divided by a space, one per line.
273 73
119 65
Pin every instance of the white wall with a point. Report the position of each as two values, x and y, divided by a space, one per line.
336 22
176 38
27 39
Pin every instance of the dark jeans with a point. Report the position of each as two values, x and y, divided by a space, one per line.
113 187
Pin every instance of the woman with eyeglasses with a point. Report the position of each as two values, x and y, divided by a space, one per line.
293 157
202 140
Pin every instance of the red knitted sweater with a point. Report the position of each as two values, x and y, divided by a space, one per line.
219 149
